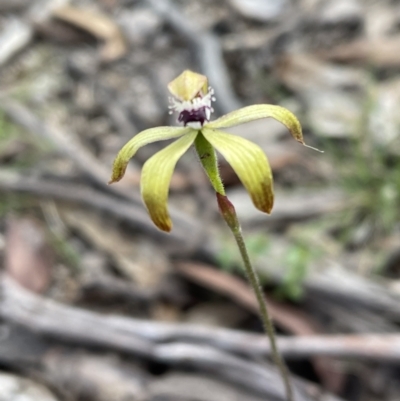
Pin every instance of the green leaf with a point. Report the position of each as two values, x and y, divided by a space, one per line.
251 113
156 177
250 164
139 140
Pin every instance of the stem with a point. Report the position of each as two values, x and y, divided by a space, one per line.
209 161
228 212
265 317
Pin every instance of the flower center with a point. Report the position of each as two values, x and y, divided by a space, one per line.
194 113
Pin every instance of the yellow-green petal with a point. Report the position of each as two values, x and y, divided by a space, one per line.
255 112
250 164
156 177
139 140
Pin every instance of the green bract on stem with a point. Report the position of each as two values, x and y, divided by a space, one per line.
192 99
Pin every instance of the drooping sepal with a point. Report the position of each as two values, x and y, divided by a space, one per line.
139 140
156 178
250 164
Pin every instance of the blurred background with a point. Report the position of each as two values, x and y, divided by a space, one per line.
97 304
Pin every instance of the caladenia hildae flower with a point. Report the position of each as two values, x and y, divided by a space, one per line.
192 100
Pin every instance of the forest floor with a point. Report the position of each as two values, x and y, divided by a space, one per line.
97 303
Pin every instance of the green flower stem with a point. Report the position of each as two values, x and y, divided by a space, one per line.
208 159
228 212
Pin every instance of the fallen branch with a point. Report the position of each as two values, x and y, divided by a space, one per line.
15 36
138 337
47 317
81 374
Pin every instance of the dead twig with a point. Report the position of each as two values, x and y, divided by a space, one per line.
289 318
138 337
16 35
73 373
346 288
97 24
113 332
255 377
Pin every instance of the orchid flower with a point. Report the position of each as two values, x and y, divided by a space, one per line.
192 99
